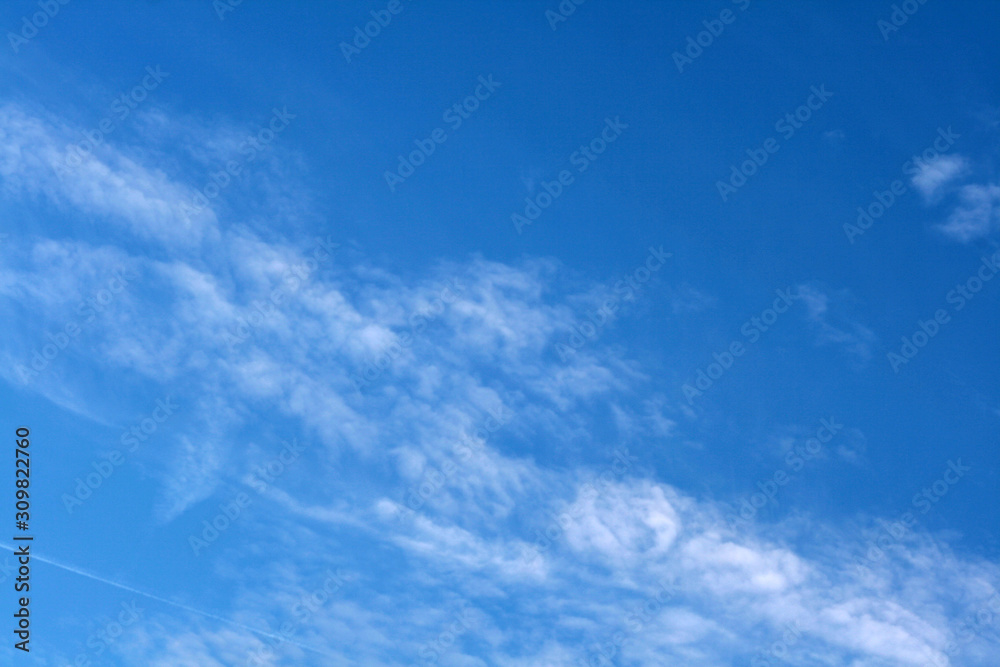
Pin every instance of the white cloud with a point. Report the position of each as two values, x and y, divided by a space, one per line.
493 343
935 175
622 526
829 315
977 214
105 185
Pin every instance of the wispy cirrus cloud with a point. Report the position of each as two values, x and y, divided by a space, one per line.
606 537
829 315
106 185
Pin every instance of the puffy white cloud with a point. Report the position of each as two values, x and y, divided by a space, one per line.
936 175
977 214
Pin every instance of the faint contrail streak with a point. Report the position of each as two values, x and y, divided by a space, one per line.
89 575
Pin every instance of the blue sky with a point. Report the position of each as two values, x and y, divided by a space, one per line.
511 333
